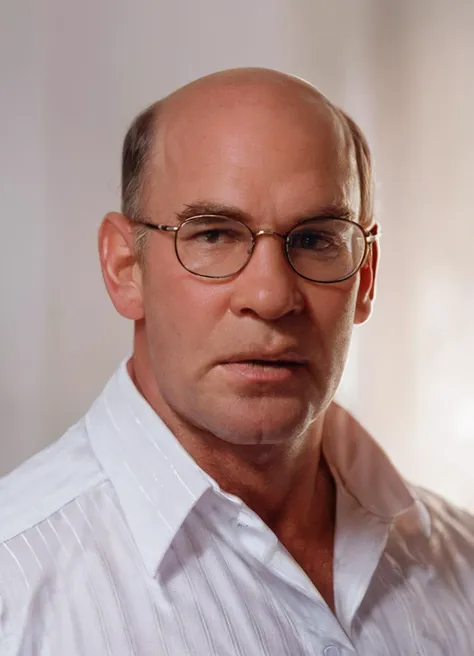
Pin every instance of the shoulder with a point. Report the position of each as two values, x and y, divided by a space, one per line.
451 530
34 542
47 481
444 515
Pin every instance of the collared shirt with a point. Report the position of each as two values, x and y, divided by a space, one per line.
114 542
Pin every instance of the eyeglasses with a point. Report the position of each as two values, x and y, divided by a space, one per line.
323 250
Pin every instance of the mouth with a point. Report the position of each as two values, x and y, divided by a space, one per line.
262 362
271 370
282 357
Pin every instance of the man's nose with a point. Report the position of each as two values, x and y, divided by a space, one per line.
268 287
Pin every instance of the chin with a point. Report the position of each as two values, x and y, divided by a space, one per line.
255 426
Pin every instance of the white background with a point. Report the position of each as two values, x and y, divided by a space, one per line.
73 75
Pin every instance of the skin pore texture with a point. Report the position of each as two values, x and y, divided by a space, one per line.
269 148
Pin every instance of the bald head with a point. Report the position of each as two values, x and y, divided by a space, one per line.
249 107
255 86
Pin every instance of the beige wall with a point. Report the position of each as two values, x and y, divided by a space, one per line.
73 76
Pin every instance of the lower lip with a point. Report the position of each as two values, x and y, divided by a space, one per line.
261 373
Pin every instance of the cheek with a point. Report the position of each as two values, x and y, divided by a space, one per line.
181 310
333 310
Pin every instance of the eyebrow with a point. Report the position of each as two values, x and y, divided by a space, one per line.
332 211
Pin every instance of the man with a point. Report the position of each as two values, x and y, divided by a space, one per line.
214 500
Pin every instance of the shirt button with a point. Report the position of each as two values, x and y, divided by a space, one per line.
332 650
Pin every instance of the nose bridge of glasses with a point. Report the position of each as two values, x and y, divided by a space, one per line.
261 233
269 233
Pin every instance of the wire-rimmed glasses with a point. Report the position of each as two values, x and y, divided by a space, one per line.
323 250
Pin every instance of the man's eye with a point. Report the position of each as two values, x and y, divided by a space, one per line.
209 236
214 236
315 241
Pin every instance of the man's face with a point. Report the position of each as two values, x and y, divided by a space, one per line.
206 341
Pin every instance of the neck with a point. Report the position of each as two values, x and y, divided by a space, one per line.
288 485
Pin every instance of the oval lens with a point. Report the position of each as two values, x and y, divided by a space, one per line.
213 246
326 250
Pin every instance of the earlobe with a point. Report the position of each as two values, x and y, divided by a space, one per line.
120 269
366 293
365 296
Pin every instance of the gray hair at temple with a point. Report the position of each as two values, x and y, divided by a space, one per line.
138 144
137 147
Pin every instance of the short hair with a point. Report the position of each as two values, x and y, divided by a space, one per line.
138 146
365 169
136 152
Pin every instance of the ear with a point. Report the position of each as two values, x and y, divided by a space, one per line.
367 278
120 268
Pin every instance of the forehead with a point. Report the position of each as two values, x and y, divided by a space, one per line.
272 155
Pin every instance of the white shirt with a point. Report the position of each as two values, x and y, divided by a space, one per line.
114 542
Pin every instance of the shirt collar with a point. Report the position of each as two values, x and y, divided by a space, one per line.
158 483
362 470
156 480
